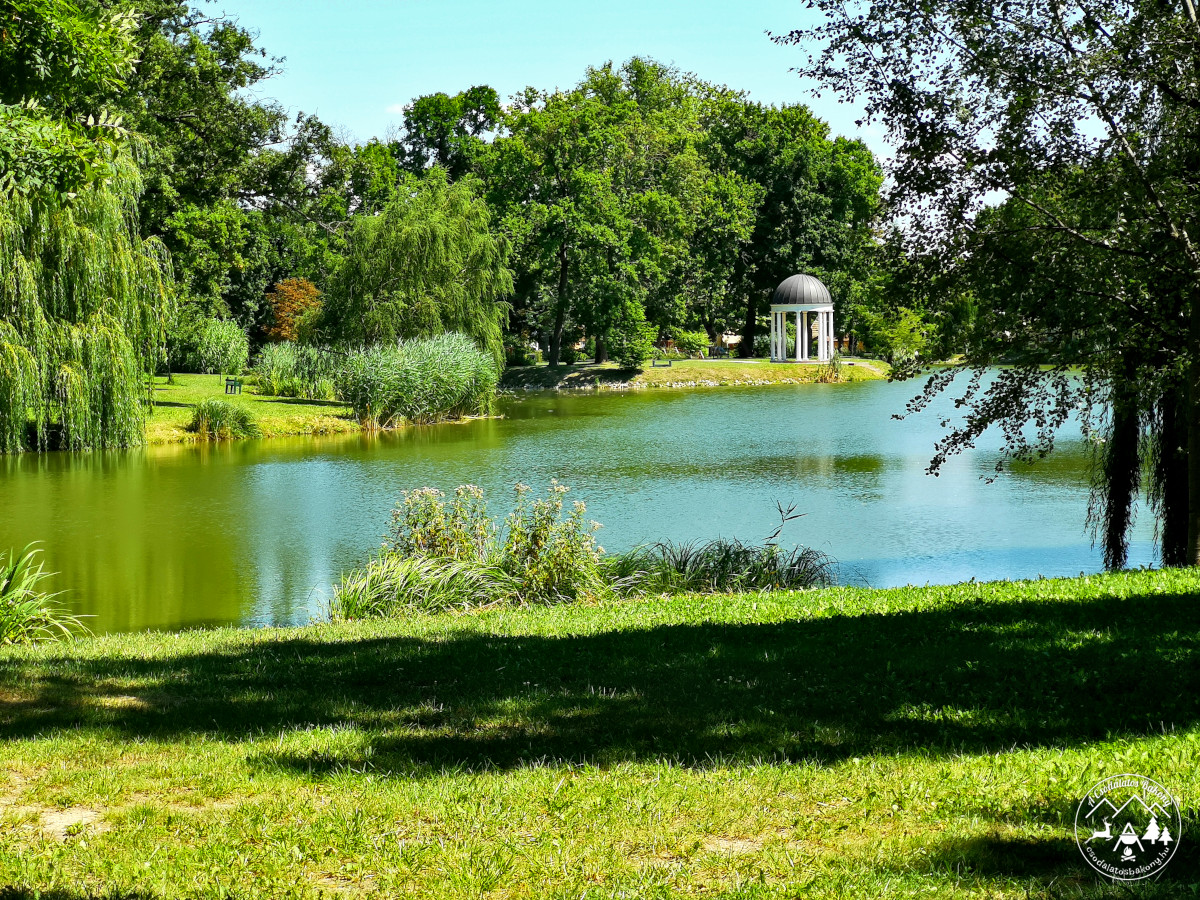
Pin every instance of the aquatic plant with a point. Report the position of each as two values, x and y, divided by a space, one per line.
419 381
297 370
214 419
27 613
721 565
441 555
389 584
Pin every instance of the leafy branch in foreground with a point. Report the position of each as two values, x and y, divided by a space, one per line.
27 613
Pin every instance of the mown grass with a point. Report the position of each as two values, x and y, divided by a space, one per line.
274 416
682 373
832 743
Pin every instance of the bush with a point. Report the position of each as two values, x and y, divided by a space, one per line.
631 342
295 370
692 343
440 556
208 346
518 353
27 613
420 381
217 420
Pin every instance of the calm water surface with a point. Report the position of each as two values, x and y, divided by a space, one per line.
254 532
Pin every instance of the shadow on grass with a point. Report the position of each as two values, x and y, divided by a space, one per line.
977 677
1051 861
297 401
564 377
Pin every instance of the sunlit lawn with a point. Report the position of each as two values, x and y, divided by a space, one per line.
837 743
274 415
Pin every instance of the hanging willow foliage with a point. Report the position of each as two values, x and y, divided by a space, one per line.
429 263
84 307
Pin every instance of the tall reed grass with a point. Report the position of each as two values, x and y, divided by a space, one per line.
442 555
297 370
418 381
214 419
29 614
720 566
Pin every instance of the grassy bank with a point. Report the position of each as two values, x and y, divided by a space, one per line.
275 415
833 743
682 373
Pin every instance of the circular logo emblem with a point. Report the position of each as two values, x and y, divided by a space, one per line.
1127 827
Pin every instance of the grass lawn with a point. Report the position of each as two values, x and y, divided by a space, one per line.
275 415
835 743
682 373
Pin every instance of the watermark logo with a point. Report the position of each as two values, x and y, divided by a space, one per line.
1127 827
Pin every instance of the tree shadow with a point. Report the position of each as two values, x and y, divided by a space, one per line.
974 677
297 401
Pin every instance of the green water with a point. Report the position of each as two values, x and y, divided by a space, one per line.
253 532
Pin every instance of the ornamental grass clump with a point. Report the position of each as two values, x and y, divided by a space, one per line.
721 565
296 370
446 555
29 614
214 419
418 381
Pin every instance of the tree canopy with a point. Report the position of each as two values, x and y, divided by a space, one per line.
428 263
1082 119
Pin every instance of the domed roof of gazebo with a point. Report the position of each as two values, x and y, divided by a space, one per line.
802 290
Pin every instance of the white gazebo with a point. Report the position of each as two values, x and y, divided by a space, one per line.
802 294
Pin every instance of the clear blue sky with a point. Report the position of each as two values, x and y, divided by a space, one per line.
355 63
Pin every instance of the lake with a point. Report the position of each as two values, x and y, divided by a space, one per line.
254 532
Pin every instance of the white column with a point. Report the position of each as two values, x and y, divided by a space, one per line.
774 335
832 336
799 336
825 355
801 332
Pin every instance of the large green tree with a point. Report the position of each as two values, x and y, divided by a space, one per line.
428 263
84 300
604 188
1084 116
819 198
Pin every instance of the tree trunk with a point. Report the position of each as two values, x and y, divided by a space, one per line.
1121 472
1192 551
1170 486
601 349
560 308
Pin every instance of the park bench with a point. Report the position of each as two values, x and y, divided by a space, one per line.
233 385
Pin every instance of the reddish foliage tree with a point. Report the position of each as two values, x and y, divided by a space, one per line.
291 300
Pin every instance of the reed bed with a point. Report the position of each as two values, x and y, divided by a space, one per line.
418 381
297 370
449 554
214 419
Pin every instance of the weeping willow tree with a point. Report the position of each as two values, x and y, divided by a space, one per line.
427 264
84 307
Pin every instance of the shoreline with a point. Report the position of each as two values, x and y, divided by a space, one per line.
683 374
292 417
